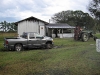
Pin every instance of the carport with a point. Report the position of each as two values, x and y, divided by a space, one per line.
59 30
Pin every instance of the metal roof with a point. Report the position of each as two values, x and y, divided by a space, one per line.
31 18
59 26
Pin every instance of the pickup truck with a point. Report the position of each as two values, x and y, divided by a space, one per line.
28 40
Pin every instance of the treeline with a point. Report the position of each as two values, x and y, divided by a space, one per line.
74 18
7 27
78 17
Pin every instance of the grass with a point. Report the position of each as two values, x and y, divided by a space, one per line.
68 57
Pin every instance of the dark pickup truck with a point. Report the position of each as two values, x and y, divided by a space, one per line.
28 40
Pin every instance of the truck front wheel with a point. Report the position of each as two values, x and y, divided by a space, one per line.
18 47
49 45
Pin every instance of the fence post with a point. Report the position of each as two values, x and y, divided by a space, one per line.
98 45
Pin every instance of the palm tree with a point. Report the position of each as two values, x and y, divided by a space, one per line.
5 26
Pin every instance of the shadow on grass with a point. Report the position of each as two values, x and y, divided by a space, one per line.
5 50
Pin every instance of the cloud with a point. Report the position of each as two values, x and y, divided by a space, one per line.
15 10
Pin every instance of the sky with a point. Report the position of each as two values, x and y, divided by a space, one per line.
16 10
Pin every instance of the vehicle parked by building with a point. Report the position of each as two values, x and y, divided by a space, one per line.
28 40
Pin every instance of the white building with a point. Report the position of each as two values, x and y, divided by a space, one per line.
31 24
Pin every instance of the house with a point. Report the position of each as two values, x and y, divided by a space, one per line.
60 30
31 24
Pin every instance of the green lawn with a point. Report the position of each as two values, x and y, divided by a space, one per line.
68 57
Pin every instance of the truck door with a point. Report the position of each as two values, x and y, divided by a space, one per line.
32 40
39 39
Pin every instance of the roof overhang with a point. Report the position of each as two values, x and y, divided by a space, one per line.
55 26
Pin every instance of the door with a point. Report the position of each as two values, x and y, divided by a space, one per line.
32 40
42 30
40 39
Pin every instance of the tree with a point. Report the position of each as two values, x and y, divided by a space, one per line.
62 17
7 27
4 26
12 27
94 8
74 18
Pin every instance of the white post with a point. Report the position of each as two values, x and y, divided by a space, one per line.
52 33
62 33
59 33
98 45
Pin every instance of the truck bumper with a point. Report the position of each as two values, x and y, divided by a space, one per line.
7 47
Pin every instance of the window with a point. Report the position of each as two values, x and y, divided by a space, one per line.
38 36
24 35
31 36
66 30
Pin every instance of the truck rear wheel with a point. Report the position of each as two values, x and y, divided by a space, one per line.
85 37
18 47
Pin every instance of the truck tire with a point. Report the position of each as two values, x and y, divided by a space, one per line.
49 45
85 37
18 47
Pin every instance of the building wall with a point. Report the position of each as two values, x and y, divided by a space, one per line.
30 26
65 35
62 33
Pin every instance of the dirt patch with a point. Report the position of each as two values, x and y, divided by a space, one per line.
61 46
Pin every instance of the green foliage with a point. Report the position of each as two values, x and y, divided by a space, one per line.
68 57
74 18
94 8
8 27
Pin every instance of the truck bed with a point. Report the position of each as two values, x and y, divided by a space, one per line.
12 38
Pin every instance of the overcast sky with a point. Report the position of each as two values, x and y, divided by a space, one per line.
15 10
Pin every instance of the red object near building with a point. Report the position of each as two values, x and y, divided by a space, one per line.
77 32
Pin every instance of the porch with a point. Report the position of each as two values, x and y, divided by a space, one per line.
60 30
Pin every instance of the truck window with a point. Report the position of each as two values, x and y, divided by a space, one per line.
38 36
24 35
31 36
